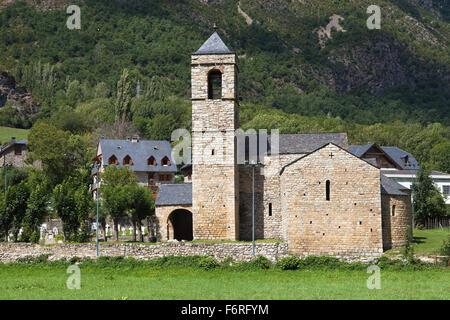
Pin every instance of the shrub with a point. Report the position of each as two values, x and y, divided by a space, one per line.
43 258
397 264
313 262
259 263
289 263
208 263
176 261
75 259
445 249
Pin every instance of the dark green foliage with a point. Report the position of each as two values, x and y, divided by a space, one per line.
325 262
61 152
427 200
208 263
153 39
15 208
396 264
14 175
259 263
35 213
445 249
72 202
289 263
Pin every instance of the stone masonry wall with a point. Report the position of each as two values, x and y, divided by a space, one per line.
215 185
349 224
163 225
395 221
238 251
17 160
10 252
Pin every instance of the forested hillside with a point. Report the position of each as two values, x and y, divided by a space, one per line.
389 86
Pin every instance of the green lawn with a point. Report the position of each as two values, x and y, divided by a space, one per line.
6 133
49 282
426 242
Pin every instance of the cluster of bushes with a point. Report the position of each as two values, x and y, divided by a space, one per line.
211 263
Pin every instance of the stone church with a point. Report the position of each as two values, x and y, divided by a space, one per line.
309 189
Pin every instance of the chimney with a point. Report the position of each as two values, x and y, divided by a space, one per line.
13 140
135 139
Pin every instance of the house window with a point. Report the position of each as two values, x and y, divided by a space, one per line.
165 161
127 161
112 160
446 190
214 84
393 210
18 150
327 190
151 161
270 209
165 177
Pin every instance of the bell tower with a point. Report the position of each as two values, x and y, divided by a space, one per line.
215 117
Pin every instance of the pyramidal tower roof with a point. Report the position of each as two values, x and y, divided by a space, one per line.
214 45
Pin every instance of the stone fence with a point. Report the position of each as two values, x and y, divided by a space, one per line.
10 252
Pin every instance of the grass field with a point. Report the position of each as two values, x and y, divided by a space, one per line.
426 242
46 282
6 133
143 280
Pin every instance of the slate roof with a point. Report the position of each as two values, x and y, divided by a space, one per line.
360 150
214 45
174 194
396 154
139 153
389 186
10 144
306 143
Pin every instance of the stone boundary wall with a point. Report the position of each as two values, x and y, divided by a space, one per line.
10 252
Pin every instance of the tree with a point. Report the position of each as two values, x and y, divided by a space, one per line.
16 205
142 206
116 202
35 213
123 99
14 175
84 205
73 202
427 200
14 201
61 152
65 206
115 176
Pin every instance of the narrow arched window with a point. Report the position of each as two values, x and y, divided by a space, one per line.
112 160
214 84
127 161
151 161
327 187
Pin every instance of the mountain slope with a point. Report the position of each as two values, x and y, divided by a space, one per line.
398 72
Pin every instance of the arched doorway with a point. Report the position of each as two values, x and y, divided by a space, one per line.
179 225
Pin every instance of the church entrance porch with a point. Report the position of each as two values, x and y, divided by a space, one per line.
179 225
